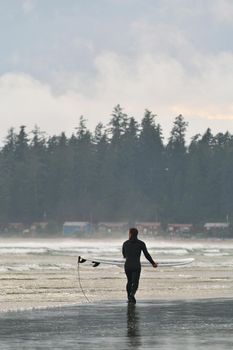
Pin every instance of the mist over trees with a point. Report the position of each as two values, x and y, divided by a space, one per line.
121 172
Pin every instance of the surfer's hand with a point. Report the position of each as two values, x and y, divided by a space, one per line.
155 265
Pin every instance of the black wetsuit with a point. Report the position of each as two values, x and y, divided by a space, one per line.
131 251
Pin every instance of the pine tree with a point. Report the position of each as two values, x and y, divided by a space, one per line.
176 169
38 174
22 188
151 167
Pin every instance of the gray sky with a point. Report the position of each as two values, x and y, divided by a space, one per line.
60 59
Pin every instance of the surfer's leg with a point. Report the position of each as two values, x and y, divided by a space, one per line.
135 281
129 274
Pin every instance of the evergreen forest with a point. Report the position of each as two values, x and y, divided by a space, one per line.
123 171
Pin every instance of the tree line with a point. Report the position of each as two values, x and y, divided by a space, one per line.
123 171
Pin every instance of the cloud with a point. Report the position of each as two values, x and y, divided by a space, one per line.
157 82
28 6
166 65
223 10
26 101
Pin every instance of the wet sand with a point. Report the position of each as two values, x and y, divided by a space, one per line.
155 325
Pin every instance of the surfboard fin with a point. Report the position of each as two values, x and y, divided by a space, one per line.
81 260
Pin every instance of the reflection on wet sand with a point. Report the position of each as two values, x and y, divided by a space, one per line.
133 326
161 325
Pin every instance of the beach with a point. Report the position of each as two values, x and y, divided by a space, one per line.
42 285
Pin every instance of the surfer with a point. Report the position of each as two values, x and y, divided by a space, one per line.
131 251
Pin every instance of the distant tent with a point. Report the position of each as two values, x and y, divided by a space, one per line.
72 228
217 227
148 227
210 225
112 226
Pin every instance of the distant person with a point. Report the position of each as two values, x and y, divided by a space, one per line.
131 251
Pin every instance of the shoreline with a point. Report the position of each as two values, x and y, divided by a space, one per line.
115 302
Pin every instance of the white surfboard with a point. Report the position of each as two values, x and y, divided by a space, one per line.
161 262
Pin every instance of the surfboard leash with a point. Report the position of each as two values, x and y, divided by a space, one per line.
79 280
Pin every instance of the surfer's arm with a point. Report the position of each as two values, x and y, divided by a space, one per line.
123 251
148 256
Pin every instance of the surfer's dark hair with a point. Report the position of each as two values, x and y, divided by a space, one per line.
133 231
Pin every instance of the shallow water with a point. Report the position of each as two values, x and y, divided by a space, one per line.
205 324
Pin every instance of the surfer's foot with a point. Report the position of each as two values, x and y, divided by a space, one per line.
131 299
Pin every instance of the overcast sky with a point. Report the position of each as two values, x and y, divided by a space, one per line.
60 59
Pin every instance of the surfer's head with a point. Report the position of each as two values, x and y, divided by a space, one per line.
133 232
